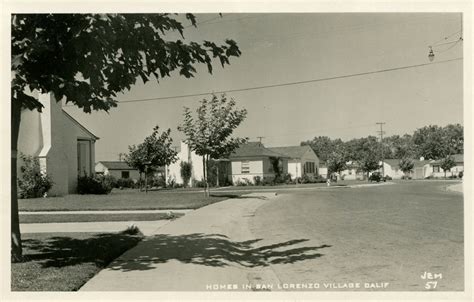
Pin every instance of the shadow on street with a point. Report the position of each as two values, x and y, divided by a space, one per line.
216 250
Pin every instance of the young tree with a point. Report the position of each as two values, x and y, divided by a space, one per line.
336 163
368 164
406 165
186 171
446 164
154 152
96 56
209 134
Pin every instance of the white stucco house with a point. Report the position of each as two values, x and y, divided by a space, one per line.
65 148
117 169
391 167
173 171
253 159
433 168
301 160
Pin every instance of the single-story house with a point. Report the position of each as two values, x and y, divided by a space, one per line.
301 160
391 167
253 159
351 172
64 147
173 171
117 169
434 167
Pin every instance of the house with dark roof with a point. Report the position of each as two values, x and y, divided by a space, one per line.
424 168
302 160
253 160
117 169
434 167
64 147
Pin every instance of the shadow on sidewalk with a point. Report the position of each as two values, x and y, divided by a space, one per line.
214 250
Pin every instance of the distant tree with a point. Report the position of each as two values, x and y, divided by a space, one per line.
154 152
431 142
323 146
368 164
96 57
400 146
447 163
186 170
336 163
406 165
454 138
209 134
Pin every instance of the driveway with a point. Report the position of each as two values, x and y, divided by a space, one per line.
367 238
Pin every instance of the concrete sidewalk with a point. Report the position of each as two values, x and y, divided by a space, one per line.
208 248
147 227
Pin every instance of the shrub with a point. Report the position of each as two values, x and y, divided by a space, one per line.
186 170
319 179
305 179
406 177
388 177
159 182
268 181
124 183
100 184
199 183
132 230
244 182
257 180
461 174
33 182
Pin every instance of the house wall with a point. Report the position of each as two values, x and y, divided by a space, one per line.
118 174
350 174
261 167
52 137
323 171
294 168
173 171
453 171
393 172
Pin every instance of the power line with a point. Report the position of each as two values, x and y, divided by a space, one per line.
290 83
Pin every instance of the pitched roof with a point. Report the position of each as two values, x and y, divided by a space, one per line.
292 151
116 165
395 163
80 125
458 158
254 149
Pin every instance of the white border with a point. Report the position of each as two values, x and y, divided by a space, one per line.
203 6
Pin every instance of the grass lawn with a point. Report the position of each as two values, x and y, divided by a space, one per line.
123 200
39 218
65 261
291 186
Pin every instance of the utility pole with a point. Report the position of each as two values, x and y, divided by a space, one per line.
381 132
260 139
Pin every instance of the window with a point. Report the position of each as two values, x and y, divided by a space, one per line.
435 168
245 168
309 167
125 174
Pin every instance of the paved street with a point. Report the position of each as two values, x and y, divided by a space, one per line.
382 237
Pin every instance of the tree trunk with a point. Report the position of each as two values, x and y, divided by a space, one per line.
204 169
206 162
16 248
217 181
140 182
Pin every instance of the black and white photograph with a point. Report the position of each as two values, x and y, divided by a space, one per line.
237 152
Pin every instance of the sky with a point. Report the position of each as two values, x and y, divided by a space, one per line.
288 48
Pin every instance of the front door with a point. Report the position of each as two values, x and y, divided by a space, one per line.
83 157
